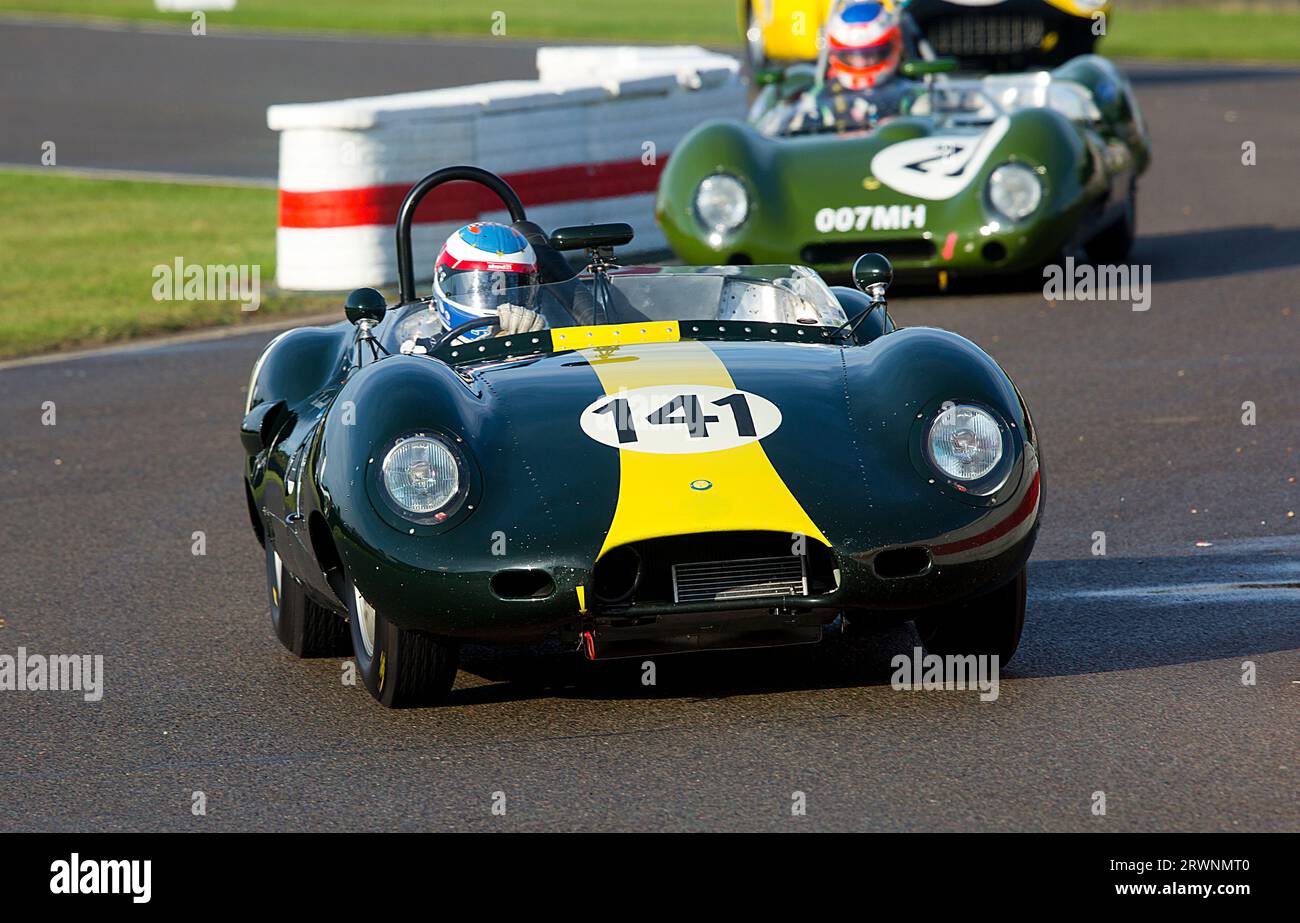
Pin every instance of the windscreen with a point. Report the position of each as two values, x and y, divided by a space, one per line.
759 294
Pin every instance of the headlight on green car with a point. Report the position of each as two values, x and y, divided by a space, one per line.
1014 191
965 442
422 477
721 203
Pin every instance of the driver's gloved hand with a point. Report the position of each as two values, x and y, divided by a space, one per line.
514 319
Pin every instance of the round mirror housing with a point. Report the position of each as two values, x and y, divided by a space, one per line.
365 305
872 274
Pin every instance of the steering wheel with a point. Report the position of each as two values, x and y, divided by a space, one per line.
489 181
443 347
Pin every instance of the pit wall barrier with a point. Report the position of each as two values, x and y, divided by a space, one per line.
584 142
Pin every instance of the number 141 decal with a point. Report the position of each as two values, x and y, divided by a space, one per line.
676 419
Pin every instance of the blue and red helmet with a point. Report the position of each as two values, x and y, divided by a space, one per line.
482 267
865 45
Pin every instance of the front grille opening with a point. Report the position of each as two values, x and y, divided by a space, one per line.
994 251
972 35
713 567
902 562
521 583
839 252
615 577
745 578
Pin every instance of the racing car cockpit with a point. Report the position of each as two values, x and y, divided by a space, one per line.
782 300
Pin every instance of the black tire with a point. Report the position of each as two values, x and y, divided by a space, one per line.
988 624
1112 244
305 628
401 668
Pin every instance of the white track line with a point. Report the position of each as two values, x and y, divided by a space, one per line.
143 176
178 339
217 29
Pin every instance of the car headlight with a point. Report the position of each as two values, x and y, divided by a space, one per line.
1014 190
422 476
721 203
965 442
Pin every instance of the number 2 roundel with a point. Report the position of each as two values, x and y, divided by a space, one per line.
680 419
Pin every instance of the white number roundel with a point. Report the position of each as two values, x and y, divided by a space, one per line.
680 419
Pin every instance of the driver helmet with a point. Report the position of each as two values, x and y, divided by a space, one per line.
482 267
865 43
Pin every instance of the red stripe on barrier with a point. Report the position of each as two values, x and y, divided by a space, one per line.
462 201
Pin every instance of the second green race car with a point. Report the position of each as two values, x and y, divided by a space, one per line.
948 177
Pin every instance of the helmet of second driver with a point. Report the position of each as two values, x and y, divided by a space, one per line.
864 45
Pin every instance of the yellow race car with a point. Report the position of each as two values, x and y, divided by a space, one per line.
983 35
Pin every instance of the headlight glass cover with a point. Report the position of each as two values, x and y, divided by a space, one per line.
964 442
421 475
721 203
1014 191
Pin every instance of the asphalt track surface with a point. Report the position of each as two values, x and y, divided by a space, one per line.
151 97
1128 680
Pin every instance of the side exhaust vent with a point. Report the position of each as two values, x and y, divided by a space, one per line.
746 578
522 584
902 562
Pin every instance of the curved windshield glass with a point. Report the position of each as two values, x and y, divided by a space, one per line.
980 102
761 294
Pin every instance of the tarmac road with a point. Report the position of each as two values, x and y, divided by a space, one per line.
1129 680
154 97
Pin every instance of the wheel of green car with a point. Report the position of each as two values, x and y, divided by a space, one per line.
988 624
401 667
1113 243
305 628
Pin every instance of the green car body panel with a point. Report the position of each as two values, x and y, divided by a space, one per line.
849 448
795 184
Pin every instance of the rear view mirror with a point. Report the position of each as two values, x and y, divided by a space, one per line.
872 274
925 68
365 305
592 236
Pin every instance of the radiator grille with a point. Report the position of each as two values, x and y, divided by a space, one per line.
970 36
744 578
838 252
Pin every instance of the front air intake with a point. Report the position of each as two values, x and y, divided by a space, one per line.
745 578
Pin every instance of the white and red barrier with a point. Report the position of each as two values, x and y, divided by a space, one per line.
585 142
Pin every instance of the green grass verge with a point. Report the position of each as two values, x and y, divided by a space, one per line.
1204 34
1185 33
709 21
80 257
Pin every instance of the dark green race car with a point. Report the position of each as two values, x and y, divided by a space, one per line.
683 458
998 175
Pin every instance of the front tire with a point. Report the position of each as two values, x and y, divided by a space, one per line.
305 628
1112 244
987 625
401 667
